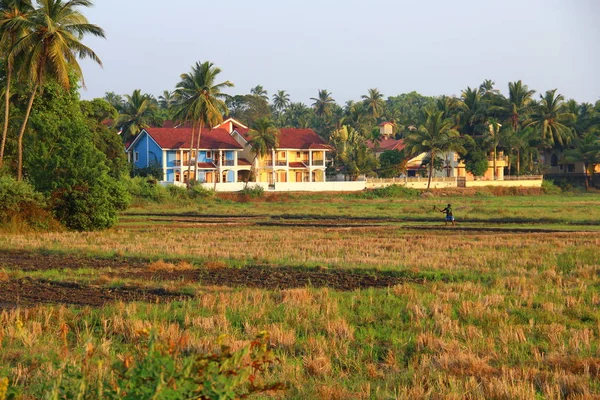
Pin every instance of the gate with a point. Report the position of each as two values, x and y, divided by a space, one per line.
461 181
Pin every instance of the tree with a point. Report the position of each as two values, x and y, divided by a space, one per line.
138 112
392 163
51 46
281 100
12 15
323 104
259 91
552 119
166 100
264 137
352 153
200 100
473 112
587 151
434 137
518 104
115 100
298 115
494 137
374 103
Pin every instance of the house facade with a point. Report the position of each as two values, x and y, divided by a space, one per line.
300 157
217 161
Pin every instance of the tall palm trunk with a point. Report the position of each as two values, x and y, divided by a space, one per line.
430 169
585 171
201 126
494 164
518 161
190 155
9 69
22 132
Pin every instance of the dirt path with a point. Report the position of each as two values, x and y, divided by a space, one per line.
32 261
27 292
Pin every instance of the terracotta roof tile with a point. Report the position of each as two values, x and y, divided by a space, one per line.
386 144
206 165
243 161
179 138
297 165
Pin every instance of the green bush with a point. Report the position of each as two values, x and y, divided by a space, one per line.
160 371
197 191
254 192
20 204
147 189
389 191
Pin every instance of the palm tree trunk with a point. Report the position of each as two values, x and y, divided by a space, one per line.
430 170
494 164
190 155
518 162
22 132
585 171
9 69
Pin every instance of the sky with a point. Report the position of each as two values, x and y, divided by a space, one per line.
433 47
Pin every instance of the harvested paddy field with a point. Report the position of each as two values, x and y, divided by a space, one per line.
361 298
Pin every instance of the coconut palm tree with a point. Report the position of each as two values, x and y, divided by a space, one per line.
494 136
12 14
552 119
260 91
473 113
434 137
374 103
323 104
51 46
587 151
138 112
281 100
166 99
518 104
200 100
115 100
264 137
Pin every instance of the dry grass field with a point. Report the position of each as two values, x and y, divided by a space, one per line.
367 298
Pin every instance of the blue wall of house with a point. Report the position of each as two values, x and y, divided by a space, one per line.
203 157
171 156
228 155
230 176
148 152
170 175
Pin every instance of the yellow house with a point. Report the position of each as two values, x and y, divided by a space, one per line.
300 156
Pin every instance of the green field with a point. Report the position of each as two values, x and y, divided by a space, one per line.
363 296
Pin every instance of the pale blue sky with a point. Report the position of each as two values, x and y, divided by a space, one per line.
432 46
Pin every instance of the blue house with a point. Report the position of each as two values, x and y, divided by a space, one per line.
218 159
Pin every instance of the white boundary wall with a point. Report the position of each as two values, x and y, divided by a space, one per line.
350 186
515 183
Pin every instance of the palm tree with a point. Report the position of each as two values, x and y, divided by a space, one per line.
138 112
374 103
51 46
264 137
473 112
434 137
519 102
281 100
587 151
200 100
552 119
494 137
115 100
323 104
12 14
166 99
259 91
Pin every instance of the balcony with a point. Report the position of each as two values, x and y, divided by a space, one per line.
318 163
281 163
266 163
228 163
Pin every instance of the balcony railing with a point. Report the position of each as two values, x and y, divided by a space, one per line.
267 163
228 163
281 163
318 163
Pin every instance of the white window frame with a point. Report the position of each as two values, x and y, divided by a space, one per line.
209 155
136 156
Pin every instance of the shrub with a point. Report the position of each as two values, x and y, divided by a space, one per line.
155 170
254 192
197 191
21 205
389 191
147 189
160 371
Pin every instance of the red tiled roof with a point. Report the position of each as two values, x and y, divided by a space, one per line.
386 144
294 138
386 123
297 165
173 124
179 138
206 165
243 161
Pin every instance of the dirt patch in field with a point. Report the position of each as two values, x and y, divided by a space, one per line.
27 292
270 277
30 261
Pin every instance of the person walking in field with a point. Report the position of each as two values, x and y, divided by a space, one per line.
449 215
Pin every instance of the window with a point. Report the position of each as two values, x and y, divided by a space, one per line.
209 154
136 156
298 155
282 154
553 160
571 168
